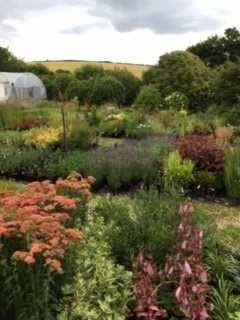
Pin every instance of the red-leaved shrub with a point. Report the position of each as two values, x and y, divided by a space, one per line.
146 276
186 270
203 151
27 124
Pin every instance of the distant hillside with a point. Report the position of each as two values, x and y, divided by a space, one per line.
70 65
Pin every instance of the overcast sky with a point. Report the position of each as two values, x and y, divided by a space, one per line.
135 31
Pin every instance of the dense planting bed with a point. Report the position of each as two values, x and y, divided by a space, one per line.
152 235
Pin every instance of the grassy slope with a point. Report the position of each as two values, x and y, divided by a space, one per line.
70 65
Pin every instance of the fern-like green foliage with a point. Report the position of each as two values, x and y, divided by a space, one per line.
100 289
177 173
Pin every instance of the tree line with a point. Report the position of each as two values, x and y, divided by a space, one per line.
206 74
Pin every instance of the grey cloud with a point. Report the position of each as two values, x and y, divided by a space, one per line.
6 31
160 16
20 9
85 28
16 9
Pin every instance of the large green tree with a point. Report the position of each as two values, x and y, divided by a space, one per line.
39 69
10 63
149 76
130 82
182 71
47 80
60 85
106 89
79 89
227 84
216 50
88 71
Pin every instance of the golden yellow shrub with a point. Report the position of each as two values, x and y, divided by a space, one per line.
42 137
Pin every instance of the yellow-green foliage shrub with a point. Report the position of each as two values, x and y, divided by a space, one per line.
13 186
223 135
100 289
42 137
119 116
164 117
113 127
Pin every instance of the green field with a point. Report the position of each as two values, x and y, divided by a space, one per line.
70 65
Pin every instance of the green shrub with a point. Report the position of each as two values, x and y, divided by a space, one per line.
182 124
81 136
72 161
95 117
10 138
176 101
231 113
138 131
204 179
100 289
26 163
148 99
149 220
136 125
203 183
159 149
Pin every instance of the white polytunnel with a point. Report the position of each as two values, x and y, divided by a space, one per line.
21 86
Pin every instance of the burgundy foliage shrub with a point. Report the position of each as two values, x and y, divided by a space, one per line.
187 272
27 124
146 276
203 151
